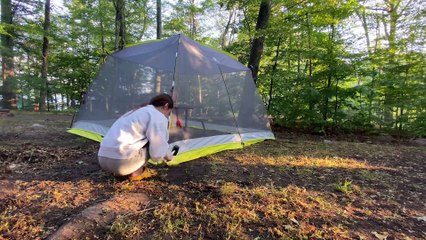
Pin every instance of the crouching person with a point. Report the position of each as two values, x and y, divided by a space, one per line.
135 137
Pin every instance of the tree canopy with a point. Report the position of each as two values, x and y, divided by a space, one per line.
328 65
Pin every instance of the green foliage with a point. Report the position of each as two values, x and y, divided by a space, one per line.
185 18
318 84
3 30
344 186
316 72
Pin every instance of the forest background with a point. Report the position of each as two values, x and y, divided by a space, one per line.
321 65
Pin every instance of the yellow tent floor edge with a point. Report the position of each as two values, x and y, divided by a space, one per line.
85 133
201 152
180 158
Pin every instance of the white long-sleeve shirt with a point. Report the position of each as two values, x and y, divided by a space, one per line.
133 130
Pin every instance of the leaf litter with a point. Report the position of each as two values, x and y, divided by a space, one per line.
298 186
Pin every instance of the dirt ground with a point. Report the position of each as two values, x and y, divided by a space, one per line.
299 186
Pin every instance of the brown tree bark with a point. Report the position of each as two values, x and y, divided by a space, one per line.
159 35
45 53
227 27
274 69
330 73
193 28
246 116
8 91
257 45
159 20
101 25
390 25
120 30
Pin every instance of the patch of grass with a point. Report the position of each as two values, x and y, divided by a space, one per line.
306 161
244 213
228 189
174 218
215 167
125 186
345 186
18 225
234 230
125 228
283 189
327 162
305 172
371 175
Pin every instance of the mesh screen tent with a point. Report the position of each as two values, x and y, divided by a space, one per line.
216 100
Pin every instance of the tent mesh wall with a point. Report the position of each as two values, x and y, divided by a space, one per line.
216 100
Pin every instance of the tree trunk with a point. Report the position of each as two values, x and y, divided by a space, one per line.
120 30
55 100
330 73
257 46
298 60
68 99
159 33
193 21
363 18
159 20
245 117
274 69
336 103
45 54
326 96
101 25
390 32
308 20
392 6
225 31
8 91
62 102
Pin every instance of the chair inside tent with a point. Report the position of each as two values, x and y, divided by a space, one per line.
217 106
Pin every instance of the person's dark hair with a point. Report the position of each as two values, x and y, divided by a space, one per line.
161 100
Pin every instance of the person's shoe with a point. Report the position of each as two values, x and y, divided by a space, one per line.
147 173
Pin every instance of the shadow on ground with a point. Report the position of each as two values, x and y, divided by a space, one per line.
296 186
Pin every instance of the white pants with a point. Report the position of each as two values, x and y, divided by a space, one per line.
123 167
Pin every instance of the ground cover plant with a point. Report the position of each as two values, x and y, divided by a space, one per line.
299 186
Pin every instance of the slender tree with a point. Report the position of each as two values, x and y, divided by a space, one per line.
257 45
330 70
227 28
246 108
159 32
159 20
8 71
274 69
104 51
185 18
120 30
45 53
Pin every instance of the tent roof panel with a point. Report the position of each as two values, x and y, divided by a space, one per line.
194 58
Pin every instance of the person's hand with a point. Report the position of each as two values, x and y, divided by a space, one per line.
168 157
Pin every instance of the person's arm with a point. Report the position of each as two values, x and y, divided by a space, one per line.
158 137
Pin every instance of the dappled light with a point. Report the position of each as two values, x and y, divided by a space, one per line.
290 120
304 161
197 58
298 186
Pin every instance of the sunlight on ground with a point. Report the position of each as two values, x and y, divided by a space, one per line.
301 187
248 212
304 161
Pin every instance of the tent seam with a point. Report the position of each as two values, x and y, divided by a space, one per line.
232 108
